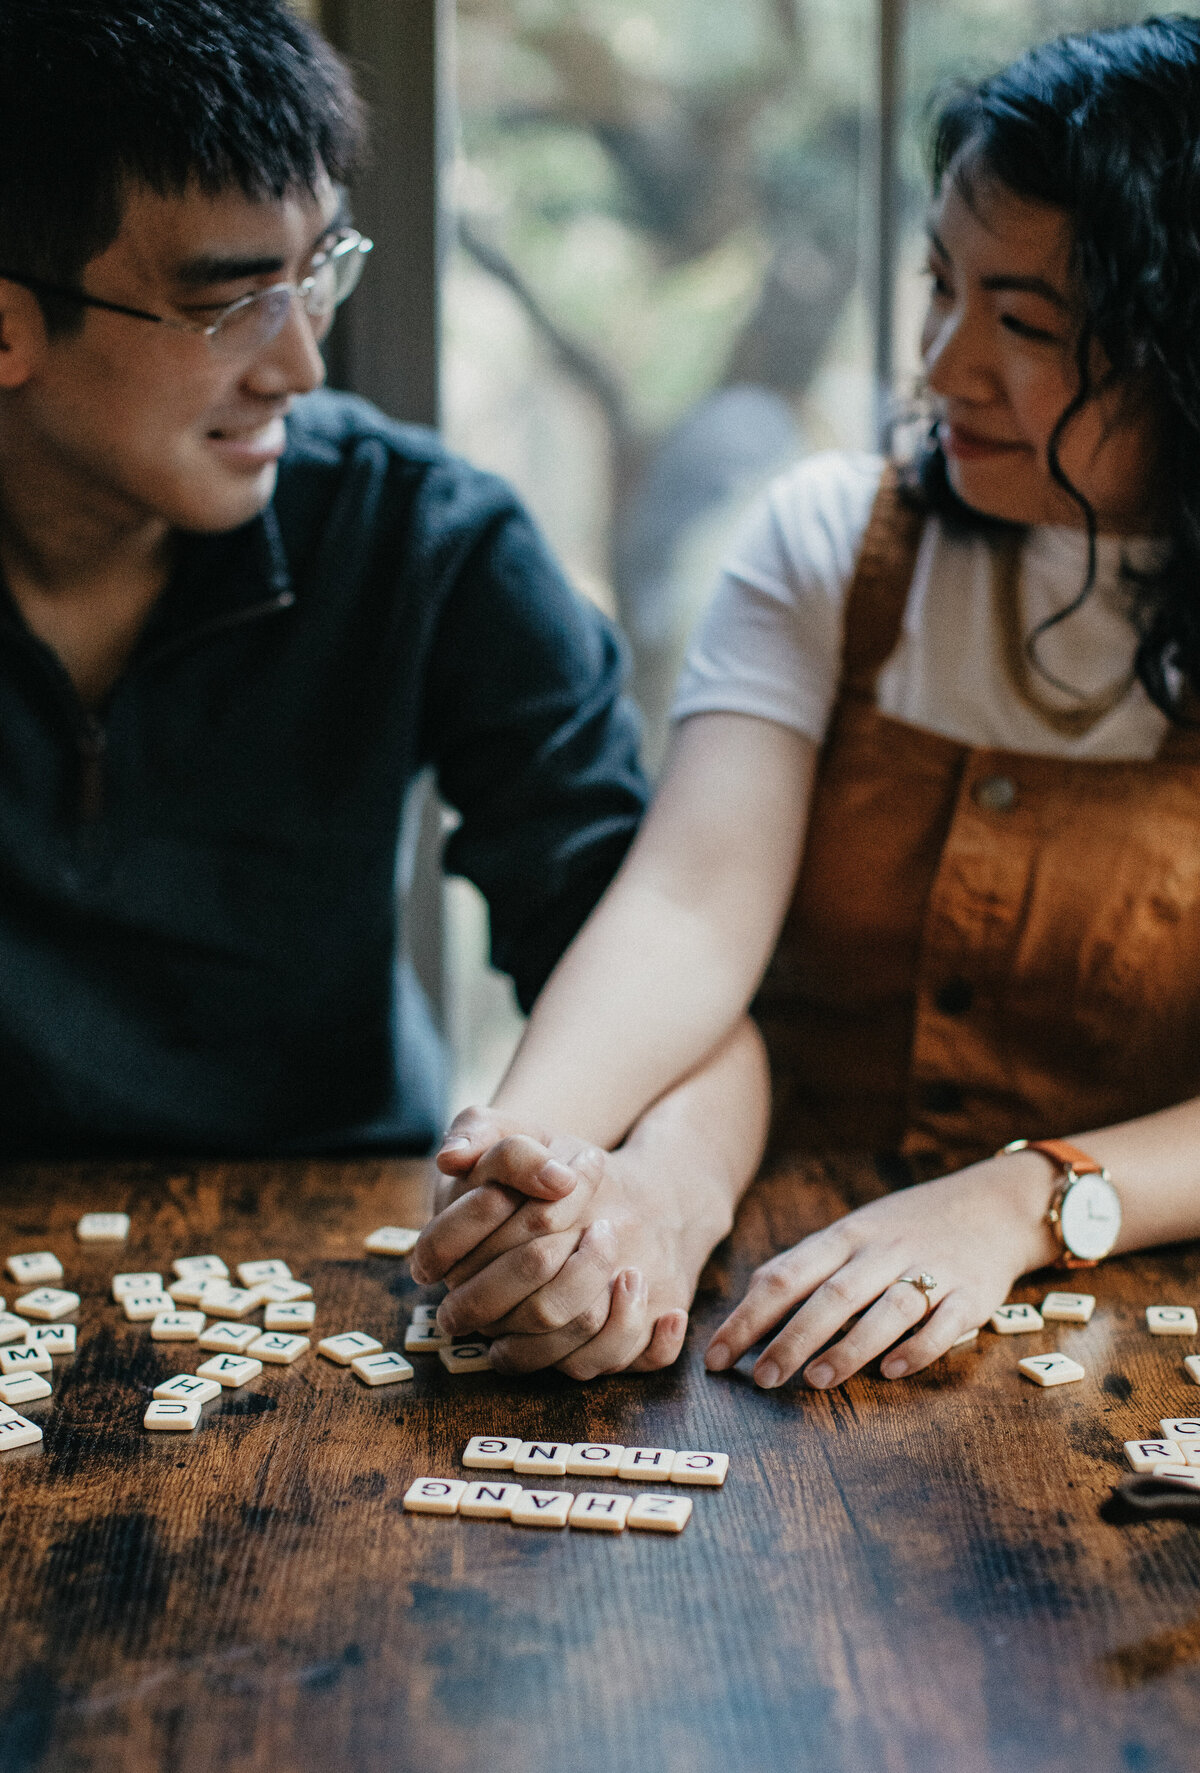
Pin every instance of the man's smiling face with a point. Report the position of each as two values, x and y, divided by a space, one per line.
145 422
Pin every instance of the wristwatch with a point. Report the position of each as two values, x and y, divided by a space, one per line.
1085 1209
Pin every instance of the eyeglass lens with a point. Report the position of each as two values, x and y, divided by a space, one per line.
252 327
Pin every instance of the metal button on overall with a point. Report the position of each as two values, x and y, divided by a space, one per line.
996 794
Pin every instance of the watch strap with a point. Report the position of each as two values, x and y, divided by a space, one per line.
1061 1152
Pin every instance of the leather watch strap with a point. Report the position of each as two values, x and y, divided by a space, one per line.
1069 1156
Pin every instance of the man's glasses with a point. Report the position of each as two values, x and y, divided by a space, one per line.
247 326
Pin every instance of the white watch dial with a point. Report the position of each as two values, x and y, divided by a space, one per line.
1090 1217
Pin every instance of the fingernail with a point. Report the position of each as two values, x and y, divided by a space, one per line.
767 1375
717 1358
894 1369
456 1144
820 1375
557 1175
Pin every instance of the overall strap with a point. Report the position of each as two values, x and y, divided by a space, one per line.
879 589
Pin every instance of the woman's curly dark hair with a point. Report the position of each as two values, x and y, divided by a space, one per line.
1106 126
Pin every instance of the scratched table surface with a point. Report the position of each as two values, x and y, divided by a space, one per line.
895 1577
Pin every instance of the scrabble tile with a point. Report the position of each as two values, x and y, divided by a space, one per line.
25 1360
486 1501
434 1495
700 1468
1015 1320
56 1339
230 1370
646 1464
283 1292
1145 1455
142 1308
124 1284
188 1291
271 1269
465 1354
542 1458
491 1452
1180 1474
541 1508
178 1413
966 1337
103 1228
1170 1320
219 1299
12 1329
47 1303
424 1314
1068 1308
188 1388
1190 1361
424 1338
599 1512
24 1388
1181 1428
177 1326
348 1346
7 1412
260 1294
15 1431
594 1459
381 1369
1050 1369
1189 1449
30 1270
660 1514
295 1314
229 1338
280 1350
391 1240
207 1267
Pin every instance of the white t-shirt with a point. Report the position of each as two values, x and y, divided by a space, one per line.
770 644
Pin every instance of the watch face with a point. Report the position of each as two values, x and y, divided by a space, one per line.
1090 1217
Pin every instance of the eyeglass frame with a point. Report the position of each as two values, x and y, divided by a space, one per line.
348 240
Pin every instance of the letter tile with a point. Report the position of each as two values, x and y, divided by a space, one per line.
489 1501
219 1299
1181 1428
1145 1455
188 1291
24 1388
296 1314
47 1303
381 1369
700 1468
177 1326
465 1354
15 1431
172 1413
348 1346
103 1228
279 1349
124 1284
208 1267
283 1292
1171 1320
272 1268
143 1308
56 1339
491 1452
424 1314
12 1328
1192 1363
188 1388
40 1265
541 1508
1180 1474
542 1459
228 1338
434 1495
1050 1369
602 1512
391 1240
1068 1308
1015 1320
646 1464
230 1370
424 1338
25 1360
962 1341
660 1514
595 1459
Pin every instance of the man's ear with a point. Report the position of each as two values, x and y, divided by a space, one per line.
23 339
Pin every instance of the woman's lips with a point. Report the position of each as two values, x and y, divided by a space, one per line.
969 446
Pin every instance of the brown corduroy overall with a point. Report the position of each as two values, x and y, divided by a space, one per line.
983 945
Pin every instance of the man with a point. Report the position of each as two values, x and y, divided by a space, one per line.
239 616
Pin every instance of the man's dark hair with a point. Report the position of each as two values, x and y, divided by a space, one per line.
96 95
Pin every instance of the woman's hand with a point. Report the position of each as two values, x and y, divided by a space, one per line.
975 1232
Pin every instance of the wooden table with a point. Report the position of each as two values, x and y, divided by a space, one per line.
906 1578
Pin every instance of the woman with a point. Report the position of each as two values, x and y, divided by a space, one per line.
951 730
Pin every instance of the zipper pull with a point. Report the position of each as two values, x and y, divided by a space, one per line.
93 742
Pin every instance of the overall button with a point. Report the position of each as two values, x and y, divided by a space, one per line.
941 1098
954 998
996 794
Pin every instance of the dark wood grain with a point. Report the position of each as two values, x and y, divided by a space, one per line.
911 1578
